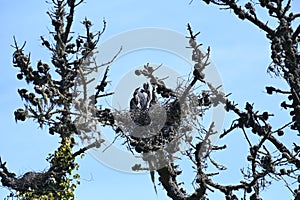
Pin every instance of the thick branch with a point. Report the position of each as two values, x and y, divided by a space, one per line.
168 180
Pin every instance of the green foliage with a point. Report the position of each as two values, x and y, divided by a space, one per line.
50 104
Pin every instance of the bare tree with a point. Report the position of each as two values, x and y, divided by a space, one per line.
265 163
60 101
270 159
56 101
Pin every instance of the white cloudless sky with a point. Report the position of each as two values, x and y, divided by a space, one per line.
239 50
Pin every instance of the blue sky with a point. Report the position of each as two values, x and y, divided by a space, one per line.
239 50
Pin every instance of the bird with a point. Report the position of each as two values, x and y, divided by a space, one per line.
141 98
144 95
135 100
